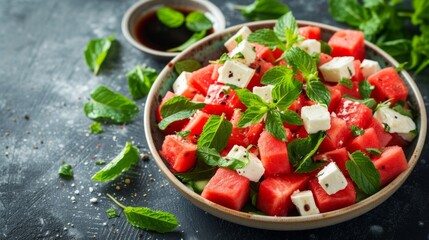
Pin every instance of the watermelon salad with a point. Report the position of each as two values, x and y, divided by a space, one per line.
286 124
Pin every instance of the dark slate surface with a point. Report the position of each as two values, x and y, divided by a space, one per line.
44 83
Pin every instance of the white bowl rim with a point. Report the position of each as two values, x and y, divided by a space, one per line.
220 21
291 222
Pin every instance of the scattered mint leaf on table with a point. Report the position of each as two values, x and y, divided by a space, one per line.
111 213
170 17
96 128
123 161
301 151
187 65
148 219
110 106
96 52
264 9
65 171
363 172
177 108
140 80
197 22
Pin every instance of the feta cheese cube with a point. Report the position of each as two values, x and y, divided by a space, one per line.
235 73
315 118
181 83
241 34
264 92
245 49
397 122
332 179
304 202
254 169
338 68
369 67
311 46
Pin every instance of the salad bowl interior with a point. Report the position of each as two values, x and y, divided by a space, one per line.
211 48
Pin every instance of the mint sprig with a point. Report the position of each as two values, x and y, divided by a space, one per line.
266 37
301 150
216 132
363 172
276 75
177 108
286 30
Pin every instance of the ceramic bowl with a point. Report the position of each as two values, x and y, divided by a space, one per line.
142 8
210 49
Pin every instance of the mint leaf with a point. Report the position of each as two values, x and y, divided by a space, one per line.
274 125
286 29
266 37
140 80
212 158
363 172
110 106
177 108
96 52
193 39
301 150
187 65
250 99
196 174
216 133
318 92
325 47
369 102
303 62
365 89
197 22
276 75
111 213
347 82
148 219
285 93
96 128
356 131
421 9
373 151
65 171
291 117
264 9
123 161
183 134
170 17
253 114
401 110
348 11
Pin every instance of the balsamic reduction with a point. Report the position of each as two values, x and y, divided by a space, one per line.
152 33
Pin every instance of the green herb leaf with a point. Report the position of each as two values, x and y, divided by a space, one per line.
250 99
225 57
291 117
348 11
212 158
110 106
140 80
347 82
177 108
325 47
193 39
363 172
274 125
123 161
285 93
276 75
286 30
318 92
374 151
303 62
65 171
356 131
401 110
111 213
421 9
96 128
187 65
216 133
183 134
196 174
369 102
266 37
197 22
301 150
170 17
365 89
253 114
148 219
264 9
100 162
96 52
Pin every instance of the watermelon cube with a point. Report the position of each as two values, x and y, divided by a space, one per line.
274 156
340 199
227 188
383 136
337 135
310 32
388 85
275 192
354 113
179 153
348 43
201 79
367 140
221 99
390 163
195 125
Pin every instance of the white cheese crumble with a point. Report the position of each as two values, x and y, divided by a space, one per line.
254 168
332 179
